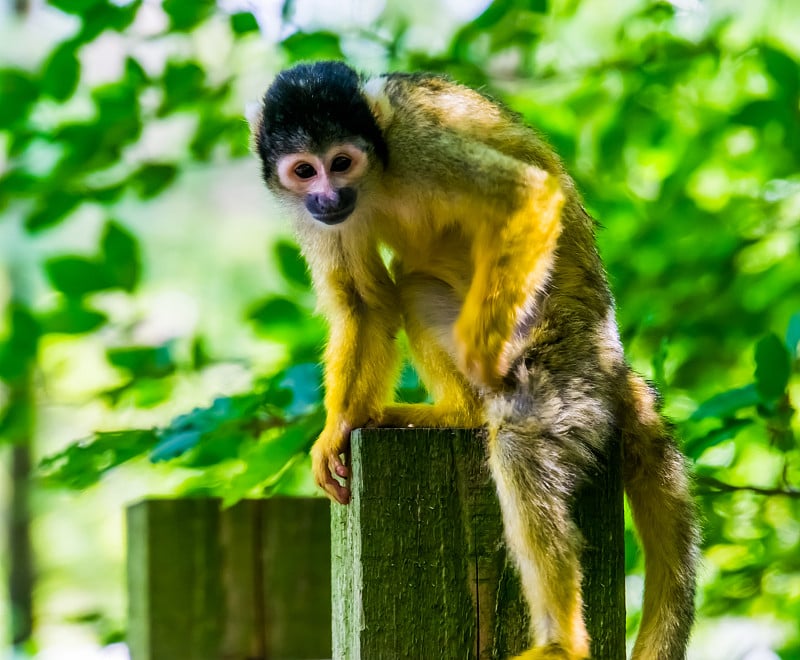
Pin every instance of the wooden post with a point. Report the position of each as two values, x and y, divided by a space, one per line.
419 563
251 582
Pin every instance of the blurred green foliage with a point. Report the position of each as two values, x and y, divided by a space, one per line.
680 126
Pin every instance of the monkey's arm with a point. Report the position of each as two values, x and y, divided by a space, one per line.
513 253
511 211
358 299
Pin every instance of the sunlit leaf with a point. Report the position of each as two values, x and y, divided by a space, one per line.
266 460
82 464
313 46
116 101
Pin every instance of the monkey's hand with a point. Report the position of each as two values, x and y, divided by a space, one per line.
329 458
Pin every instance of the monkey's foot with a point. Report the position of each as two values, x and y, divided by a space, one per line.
425 415
549 652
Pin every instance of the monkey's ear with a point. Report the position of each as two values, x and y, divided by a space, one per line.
253 114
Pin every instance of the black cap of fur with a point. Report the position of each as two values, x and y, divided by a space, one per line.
311 107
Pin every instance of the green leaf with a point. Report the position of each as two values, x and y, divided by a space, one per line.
135 75
214 130
72 319
243 22
304 381
267 459
213 434
20 347
51 209
76 276
143 361
83 144
725 404
174 444
793 335
773 367
694 448
313 46
19 92
61 72
278 317
291 264
106 15
185 14
152 179
184 83
784 71
82 464
78 7
120 253
117 103
106 194
215 448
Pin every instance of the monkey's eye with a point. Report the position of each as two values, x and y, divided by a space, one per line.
304 171
341 164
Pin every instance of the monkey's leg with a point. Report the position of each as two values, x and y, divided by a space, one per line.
535 485
658 492
430 308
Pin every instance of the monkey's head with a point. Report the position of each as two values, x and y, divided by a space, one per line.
318 139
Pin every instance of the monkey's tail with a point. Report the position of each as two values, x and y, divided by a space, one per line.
657 486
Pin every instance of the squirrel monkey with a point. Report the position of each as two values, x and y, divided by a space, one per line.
495 278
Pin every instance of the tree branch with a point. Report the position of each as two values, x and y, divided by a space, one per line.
715 486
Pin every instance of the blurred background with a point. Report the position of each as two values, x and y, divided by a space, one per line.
157 334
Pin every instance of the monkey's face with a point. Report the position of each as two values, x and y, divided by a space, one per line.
327 183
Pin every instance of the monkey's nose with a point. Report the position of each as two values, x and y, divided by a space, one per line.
326 203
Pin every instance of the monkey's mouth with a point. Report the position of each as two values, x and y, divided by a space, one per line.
334 217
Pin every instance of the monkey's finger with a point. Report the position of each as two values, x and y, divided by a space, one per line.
335 467
336 491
